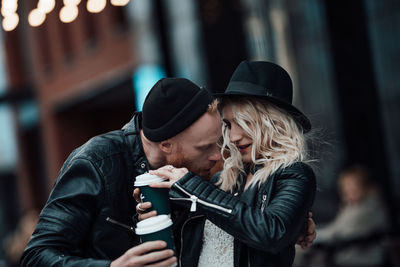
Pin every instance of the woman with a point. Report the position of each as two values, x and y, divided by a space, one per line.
253 211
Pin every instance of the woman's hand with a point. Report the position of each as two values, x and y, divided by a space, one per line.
171 173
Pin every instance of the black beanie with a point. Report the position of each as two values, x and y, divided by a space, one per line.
171 106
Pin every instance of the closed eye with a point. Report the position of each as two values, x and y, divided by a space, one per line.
204 148
227 123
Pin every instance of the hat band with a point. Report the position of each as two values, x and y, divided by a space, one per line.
237 88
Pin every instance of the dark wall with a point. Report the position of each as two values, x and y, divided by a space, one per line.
223 38
8 201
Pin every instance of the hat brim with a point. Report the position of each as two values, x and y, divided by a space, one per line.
298 116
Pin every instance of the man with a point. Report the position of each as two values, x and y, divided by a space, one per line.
87 220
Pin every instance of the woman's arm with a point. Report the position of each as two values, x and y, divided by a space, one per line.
271 229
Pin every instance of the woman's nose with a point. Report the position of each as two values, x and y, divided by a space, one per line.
234 134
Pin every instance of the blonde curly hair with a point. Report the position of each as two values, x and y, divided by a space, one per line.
277 140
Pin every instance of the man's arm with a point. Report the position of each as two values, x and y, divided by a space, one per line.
67 219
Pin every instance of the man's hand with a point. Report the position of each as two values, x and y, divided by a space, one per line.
145 254
171 173
142 207
306 238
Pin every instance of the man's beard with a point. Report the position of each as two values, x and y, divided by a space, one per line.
178 161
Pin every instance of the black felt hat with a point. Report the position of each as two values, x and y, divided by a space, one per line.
171 106
268 81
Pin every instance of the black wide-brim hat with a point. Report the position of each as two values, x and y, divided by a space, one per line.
265 80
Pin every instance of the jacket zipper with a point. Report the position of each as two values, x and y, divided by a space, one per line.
195 199
183 226
192 198
108 219
264 198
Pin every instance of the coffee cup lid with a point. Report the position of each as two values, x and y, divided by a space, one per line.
153 224
147 178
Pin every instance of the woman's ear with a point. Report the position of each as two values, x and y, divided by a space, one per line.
166 146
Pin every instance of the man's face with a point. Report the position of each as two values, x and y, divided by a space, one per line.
196 147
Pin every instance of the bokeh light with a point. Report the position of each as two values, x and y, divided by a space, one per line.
68 13
96 6
10 22
46 5
36 17
8 7
119 2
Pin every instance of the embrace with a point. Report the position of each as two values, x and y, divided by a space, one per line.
252 213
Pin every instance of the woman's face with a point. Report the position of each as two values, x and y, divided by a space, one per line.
237 135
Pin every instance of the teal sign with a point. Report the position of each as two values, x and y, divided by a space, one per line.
144 77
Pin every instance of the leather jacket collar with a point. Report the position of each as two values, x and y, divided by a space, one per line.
132 132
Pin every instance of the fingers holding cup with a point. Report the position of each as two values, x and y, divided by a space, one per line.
142 209
136 195
151 198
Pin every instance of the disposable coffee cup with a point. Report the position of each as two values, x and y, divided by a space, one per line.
158 197
156 228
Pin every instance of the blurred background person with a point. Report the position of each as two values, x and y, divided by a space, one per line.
16 241
355 237
362 211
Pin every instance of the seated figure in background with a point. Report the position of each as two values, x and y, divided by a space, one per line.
354 237
16 241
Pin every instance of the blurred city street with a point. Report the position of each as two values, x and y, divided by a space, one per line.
72 69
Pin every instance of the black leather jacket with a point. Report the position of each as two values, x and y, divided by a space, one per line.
87 220
265 221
